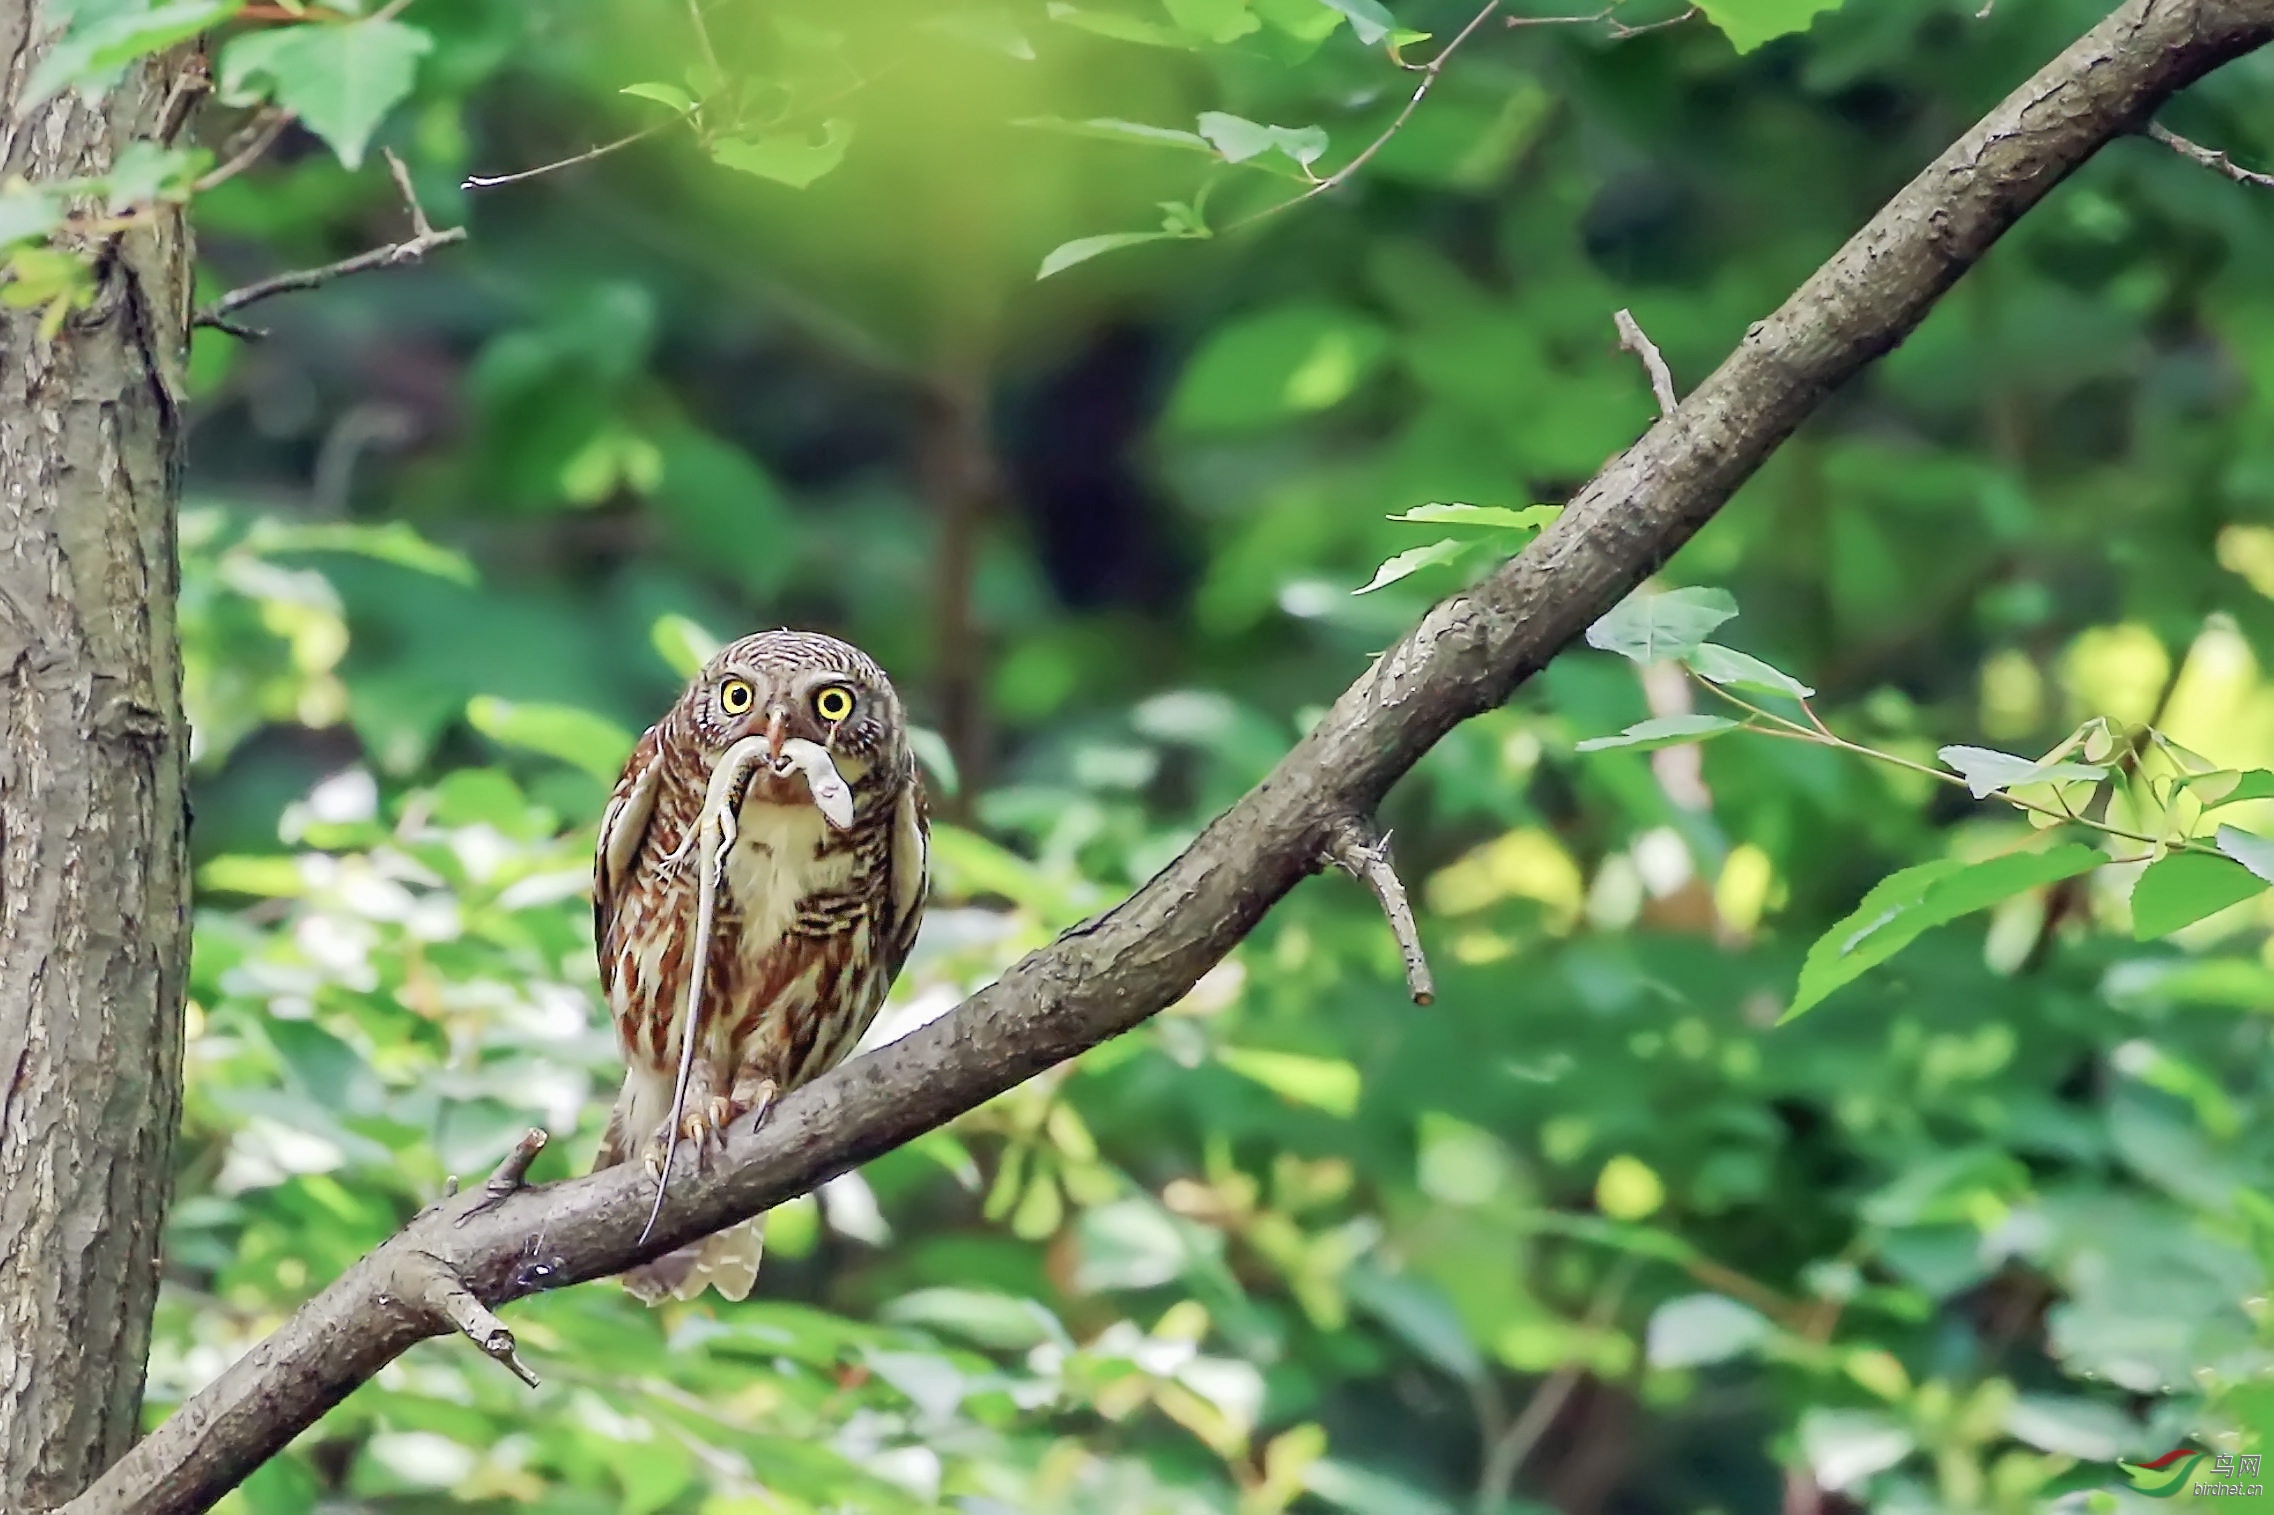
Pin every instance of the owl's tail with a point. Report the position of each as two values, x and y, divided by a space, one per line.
726 1261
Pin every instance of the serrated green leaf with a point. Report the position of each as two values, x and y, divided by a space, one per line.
1904 905
1493 517
1739 670
2183 888
662 94
339 79
2254 852
1986 771
1650 628
791 158
1662 731
1750 23
1412 561
1369 22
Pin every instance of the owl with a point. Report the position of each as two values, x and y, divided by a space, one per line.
812 915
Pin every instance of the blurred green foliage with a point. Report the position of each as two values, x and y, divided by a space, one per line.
1593 1232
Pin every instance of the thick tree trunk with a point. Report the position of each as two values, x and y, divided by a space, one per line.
94 935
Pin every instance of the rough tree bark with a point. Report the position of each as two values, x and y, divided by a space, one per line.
453 1262
94 937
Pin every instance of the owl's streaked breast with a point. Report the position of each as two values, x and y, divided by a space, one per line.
774 865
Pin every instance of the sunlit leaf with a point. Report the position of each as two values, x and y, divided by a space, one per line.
1987 771
1912 901
1412 561
1650 628
1750 23
2183 888
1738 670
340 79
1239 139
101 42
2254 852
1495 517
1328 1083
396 542
1107 129
662 94
2228 786
1218 21
793 158
1695 1330
590 742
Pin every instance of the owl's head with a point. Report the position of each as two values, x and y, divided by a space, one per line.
787 684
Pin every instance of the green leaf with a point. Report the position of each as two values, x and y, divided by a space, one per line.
1737 670
2254 852
1696 1330
1238 139
1290 360
790 158
1413 560
1066 254
1749 23
340 79
2183 888
662 94
1327 1083
1904 905
683 645
1987 771
1001 1322
26 214
1109 129
1368 20
1662 731
89 57
1218 21
1490 517
395 542
578 737
1651 628
933 752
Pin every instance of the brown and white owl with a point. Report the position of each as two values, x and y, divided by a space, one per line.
813 915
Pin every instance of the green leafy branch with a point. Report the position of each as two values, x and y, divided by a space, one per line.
2189 876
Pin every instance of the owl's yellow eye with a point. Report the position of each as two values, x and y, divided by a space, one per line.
833 702
735 696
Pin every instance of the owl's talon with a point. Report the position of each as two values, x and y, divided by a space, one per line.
754 1099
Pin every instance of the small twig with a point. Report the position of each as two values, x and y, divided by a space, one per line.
423 240
1507 1452
1359 850
1620 31
493 181
507 1178
1632 339
703 36
2211 158
263 136
1429 72
443 1292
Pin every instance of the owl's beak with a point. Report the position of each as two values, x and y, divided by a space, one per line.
774 722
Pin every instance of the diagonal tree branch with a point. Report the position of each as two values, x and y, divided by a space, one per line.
1108 974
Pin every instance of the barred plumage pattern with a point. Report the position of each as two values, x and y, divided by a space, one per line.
812 923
